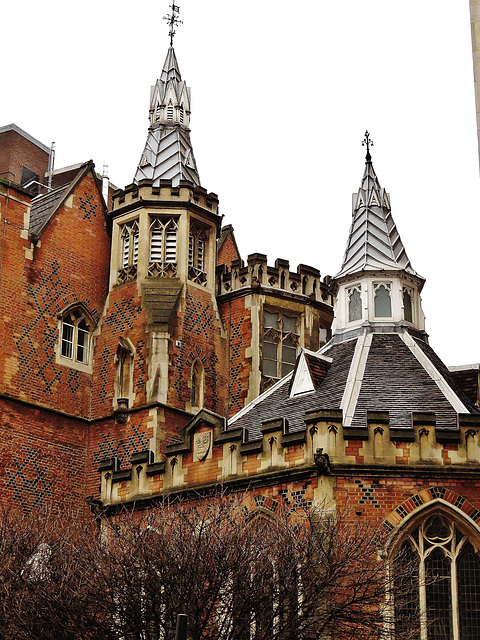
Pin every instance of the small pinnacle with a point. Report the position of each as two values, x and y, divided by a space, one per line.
367 142
173 21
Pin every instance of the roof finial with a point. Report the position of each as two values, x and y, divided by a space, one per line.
367 142
173 21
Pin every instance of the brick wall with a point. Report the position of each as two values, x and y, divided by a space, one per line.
237 323
17 151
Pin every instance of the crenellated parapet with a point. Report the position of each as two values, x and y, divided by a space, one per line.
165 192
257 274
211 453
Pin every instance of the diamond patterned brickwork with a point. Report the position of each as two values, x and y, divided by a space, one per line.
43 457
238 325
197 334
69 264
125 318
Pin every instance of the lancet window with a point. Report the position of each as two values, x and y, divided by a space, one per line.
124 369
382 300
129 258
196 255
163 247
280 341
354 304
447 581
407 304
197 378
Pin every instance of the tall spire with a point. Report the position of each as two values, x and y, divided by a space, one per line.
168 153
373 243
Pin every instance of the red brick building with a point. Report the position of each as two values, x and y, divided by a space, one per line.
141 356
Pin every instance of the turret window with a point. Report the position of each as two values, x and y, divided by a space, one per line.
280 341
354 304
382 300
181 112
163 247
129 259
407 305
196 255
170 111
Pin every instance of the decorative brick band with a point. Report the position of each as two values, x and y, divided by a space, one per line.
428 495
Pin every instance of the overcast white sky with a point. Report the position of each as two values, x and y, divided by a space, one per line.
281 97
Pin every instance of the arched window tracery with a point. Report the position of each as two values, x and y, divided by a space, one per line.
445 551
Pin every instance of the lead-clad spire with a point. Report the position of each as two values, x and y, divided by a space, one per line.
168 153
373 242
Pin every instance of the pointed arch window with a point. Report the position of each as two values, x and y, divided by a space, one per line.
76 328
163 247
448 580
197 382
124 370
196 255
170 111
407 304
382 300
354 304
129 233
181 113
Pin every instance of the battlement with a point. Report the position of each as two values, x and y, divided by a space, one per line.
209 453
166 194
257 274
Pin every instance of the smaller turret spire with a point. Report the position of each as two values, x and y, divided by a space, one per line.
168 153
374 243
173 21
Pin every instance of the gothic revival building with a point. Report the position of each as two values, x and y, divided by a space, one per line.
141 356
122 321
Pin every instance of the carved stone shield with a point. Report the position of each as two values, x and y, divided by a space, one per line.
201 444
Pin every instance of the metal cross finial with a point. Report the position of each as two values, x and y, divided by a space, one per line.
173 21
367 142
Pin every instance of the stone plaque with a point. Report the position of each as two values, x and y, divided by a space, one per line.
201 444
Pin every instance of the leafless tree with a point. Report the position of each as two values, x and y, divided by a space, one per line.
236 572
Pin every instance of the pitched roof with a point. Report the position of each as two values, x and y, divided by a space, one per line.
44 207
373 242
400 375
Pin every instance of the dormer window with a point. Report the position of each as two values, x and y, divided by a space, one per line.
163 247
382 300
407 305
354 304
129 258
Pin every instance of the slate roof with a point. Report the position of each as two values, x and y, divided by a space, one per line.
393 380
278 404
43 208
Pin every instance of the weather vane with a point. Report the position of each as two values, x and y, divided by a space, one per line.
173 21
367 142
